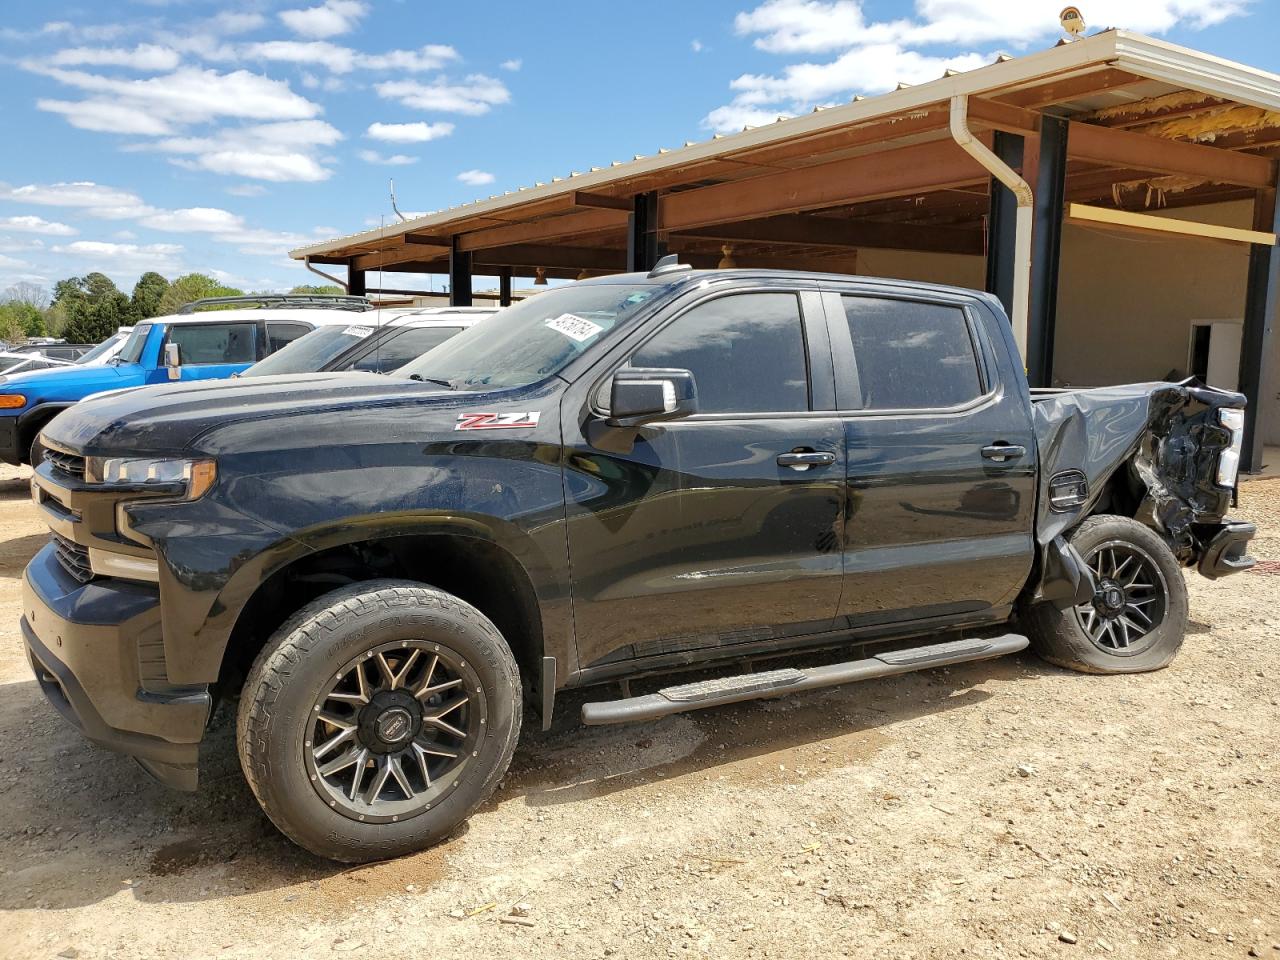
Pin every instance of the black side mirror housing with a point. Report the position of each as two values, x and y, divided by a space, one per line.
642 395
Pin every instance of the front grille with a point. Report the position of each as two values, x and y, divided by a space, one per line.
68 463
73 557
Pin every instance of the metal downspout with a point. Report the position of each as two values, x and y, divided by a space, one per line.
306 262
962 135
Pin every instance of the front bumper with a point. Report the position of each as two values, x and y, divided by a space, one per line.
1227 550
97 652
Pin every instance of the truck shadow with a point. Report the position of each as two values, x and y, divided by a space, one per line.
81 824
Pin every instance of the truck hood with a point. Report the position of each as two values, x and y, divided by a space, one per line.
170 417
38 382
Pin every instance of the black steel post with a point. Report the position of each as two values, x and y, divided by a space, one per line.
1262 297
1046 250
355 281
504 286
1002 216
459 276
643 247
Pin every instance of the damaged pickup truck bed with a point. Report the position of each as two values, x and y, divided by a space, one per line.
612 481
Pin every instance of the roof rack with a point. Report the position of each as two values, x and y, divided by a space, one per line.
281 301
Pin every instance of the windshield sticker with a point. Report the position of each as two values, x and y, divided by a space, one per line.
578 329
497 421
357 331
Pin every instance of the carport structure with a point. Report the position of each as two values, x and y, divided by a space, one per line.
1114 133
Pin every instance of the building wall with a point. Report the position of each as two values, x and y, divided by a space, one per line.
1125 302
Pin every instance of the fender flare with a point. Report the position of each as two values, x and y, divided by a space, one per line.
210 638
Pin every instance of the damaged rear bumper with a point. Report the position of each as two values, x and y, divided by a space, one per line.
1226 551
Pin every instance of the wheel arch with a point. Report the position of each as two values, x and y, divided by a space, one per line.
465 558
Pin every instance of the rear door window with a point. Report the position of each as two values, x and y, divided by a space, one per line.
911 355
203 343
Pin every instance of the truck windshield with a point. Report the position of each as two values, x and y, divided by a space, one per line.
92 358
531 340
131 352
309 353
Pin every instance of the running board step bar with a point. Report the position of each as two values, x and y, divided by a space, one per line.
777 683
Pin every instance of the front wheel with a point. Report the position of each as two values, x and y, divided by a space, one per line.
377 719
1137 617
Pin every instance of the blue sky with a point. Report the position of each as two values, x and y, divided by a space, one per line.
184 135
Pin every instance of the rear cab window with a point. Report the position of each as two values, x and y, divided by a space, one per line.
911 354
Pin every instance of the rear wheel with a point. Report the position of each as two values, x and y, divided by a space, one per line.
1137 617
378 718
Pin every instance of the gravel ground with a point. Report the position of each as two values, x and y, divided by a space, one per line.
1002 809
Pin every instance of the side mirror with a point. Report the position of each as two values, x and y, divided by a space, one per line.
173 360
639 396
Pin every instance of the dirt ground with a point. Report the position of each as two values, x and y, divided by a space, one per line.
1002 809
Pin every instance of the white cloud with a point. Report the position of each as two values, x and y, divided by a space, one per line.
124 235
124 256
12 263
873 56
145 56
408 132
95 200
30 224
395 160
279 152
337 58
512 65
475 95
194 220
331 18
229 22
433 56
188 95
696 46
476 178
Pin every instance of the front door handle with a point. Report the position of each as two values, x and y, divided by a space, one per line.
1003 452
804 459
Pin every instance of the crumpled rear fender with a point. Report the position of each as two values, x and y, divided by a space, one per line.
1165 436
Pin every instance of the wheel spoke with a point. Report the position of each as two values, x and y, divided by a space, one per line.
379 780
384 668
397 681
426 681
434 749
421 754
426 692
356 698
333 720
446 727
1138 631
397 771
1122 629
332 744
340 763
362 761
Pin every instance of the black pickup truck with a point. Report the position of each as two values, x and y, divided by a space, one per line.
612 481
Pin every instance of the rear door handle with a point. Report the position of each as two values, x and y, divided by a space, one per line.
804 459
1001 452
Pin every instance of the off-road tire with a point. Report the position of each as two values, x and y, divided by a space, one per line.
275 718
1058 635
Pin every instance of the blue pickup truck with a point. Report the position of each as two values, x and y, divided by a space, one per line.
198 343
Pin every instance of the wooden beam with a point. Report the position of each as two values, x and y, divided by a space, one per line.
552 228
1145 223
537 255
1003 116
808 230
1071 88
583 199
1121 148
916 169
425 241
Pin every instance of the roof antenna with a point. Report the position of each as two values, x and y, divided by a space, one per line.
402 217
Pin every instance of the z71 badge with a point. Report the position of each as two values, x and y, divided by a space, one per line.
496 421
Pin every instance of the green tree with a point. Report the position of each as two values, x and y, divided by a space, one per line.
194 286
324 288
94 322
147 294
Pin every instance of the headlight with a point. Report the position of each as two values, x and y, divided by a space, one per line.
1229 460
194 477
12 401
